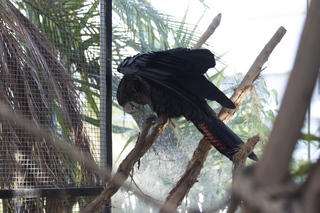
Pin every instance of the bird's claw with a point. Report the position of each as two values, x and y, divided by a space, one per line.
151 118
159 120
155 119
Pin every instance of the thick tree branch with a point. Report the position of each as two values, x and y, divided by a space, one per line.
287 126
271 199
311 191
187 180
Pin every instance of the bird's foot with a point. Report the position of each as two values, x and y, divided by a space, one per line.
155 119
151 118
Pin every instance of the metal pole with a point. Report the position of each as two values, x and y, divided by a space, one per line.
106 86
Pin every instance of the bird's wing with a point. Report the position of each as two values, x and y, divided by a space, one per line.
203 88
180 67
189 99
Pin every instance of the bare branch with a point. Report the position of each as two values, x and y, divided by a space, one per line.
240 157
287 126
212 27
246 84
239 160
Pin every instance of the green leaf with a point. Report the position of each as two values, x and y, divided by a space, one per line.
92 121
303 169
309 137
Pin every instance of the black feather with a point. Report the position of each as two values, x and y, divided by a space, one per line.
172 82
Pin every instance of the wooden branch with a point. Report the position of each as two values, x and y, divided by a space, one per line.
142 146
244 87
287 126
200 154
239 160
240 157
273 199
246 84
210 30
177 194
189 178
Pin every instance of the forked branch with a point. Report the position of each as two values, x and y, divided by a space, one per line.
142 146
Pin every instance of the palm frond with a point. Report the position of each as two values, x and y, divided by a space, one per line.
38 88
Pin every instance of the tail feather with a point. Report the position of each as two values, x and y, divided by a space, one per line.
221 137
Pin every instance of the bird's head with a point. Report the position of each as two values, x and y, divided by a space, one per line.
132 93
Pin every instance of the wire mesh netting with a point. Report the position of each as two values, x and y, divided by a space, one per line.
49 78
52 59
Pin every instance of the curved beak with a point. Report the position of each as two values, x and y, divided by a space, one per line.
130 106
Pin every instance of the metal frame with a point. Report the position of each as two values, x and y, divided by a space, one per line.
46 192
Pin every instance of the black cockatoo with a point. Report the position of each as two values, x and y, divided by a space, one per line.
173 84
